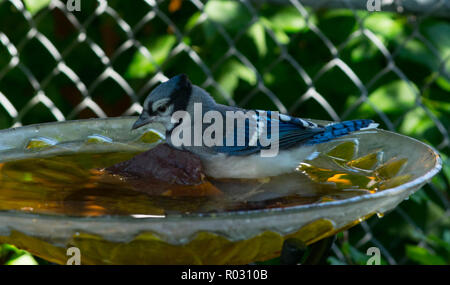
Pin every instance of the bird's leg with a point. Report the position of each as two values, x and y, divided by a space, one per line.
295 251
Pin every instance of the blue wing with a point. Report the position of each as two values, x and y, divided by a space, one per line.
292 132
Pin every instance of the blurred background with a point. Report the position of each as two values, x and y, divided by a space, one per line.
330 60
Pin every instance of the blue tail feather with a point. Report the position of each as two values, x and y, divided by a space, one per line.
336 130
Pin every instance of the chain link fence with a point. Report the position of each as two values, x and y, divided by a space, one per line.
319 59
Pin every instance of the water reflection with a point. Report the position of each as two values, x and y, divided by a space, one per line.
77 185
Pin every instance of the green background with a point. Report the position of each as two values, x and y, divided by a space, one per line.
251 55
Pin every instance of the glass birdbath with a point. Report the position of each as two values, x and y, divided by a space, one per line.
54 195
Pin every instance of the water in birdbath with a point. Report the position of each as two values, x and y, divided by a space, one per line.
78 184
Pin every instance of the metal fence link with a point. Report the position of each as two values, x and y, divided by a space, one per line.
17 38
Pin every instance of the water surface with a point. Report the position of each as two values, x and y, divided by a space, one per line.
78 185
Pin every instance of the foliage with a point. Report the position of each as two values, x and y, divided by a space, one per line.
10 255
411 107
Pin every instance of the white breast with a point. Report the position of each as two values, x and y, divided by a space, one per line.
255 166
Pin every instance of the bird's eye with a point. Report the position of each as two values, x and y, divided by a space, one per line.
162 109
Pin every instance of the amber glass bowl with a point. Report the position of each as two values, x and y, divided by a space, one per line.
393 166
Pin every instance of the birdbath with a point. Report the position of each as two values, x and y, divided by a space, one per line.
54 196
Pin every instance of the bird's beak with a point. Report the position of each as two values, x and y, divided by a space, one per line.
143 120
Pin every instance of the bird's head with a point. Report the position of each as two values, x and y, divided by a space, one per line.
169 97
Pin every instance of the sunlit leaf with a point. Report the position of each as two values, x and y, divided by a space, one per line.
34 6
384 25
25 259
288 20
396 97
159 49
363 51
231 72
281 37
416 123
15 256
361 48
284 21
193 21
443 83
230 14
258 35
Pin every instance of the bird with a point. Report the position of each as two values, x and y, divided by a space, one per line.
297 138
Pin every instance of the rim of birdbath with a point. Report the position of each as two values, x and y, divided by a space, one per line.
178 229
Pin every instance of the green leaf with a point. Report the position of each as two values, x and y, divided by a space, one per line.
258 35
415 123
24 259
230 14
246 74
396 97
284 21
231 72
288 20
443 83
361 48
141 66
279 34
423 256
363 51
193 21
34 6
15 256
384 25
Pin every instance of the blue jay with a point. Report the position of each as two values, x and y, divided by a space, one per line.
297 138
